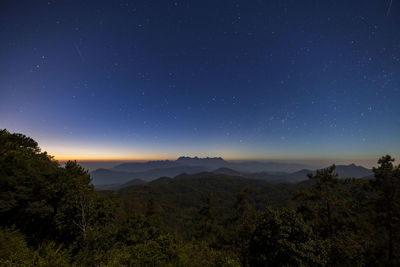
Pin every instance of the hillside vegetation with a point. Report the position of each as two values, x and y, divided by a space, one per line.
51 215
125 173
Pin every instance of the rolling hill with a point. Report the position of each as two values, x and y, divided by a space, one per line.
272 172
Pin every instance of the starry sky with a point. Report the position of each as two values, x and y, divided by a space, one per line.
241 79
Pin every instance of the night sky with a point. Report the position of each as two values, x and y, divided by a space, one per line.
243 79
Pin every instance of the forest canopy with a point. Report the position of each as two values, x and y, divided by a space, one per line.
51 215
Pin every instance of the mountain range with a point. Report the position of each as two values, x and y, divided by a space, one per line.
136 173
210 164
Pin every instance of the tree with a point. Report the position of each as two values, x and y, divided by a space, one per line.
320 200
42 199
13 247
243 224
282 238
14 251
387 204
330 209
28 178
207 228
75 213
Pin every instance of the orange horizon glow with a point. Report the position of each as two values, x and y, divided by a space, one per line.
108 160
366 162
92 153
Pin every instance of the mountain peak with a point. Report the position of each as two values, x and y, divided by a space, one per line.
184 158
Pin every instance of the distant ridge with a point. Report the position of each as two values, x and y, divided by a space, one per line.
227 171
119 186
344 171
107 177
211 163
197 160
207 162
268 171
104 176
352 171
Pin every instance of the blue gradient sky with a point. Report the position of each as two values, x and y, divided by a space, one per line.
238 79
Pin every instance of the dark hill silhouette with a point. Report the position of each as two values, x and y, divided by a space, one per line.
104 176
151 170
107 177
266 166
211 164
353 171
119 186
270 171
144 166
191 190
227 171
344 171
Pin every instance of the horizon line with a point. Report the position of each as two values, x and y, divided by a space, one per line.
278 159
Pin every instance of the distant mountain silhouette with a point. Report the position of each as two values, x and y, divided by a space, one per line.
104 176
227 171
344 171
208 163
144 166
107 177
211 164
268 171
269 166
134 182
270 176
153 169
191 190
352 171
299 175
200 161
119 186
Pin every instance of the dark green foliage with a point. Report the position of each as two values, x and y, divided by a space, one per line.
206 226
320 201
28 192
356 218
179 201
201 254
50 254
135 230
328 207
14 251
387 206
282 238
13 247
243 224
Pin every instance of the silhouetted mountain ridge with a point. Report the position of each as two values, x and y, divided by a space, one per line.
191 190
270 171
104 176
211 164
227 171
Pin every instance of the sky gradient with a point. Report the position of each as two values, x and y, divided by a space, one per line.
244 79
